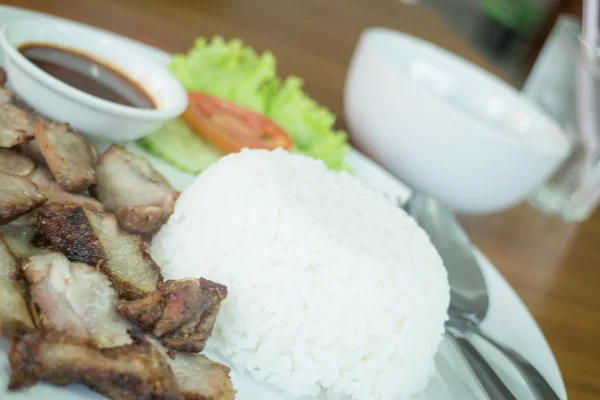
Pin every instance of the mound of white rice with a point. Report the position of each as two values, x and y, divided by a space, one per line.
331 289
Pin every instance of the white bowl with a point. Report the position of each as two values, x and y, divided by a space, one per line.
90 114
445 126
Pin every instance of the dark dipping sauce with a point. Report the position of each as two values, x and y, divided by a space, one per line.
87 74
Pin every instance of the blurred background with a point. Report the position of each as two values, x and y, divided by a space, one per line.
510 32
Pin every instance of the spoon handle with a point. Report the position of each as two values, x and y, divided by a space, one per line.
488 380
536 382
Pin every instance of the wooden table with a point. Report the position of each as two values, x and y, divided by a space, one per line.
554 266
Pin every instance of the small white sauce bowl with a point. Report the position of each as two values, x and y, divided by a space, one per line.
89 114
445 126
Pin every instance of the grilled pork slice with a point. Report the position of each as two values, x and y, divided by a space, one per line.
18 235
198 377
7 96
132 371
18 195
15 318
143 220
69 156
133 190
76 299
32 150
15 123
19 232
86 235
56 194
181 313
14 163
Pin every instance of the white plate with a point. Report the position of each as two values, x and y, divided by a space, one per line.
508 319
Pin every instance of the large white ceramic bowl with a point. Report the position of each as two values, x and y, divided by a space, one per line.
446 127
90 114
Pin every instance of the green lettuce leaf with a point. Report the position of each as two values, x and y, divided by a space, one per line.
235 72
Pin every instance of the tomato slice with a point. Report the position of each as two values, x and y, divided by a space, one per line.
231 127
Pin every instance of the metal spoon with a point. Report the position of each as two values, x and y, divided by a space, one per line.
469 299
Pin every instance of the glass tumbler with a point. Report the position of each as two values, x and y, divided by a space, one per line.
565 83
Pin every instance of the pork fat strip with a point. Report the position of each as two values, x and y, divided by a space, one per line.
76 299
86 235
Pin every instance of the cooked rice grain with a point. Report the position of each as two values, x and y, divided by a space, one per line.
331 289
